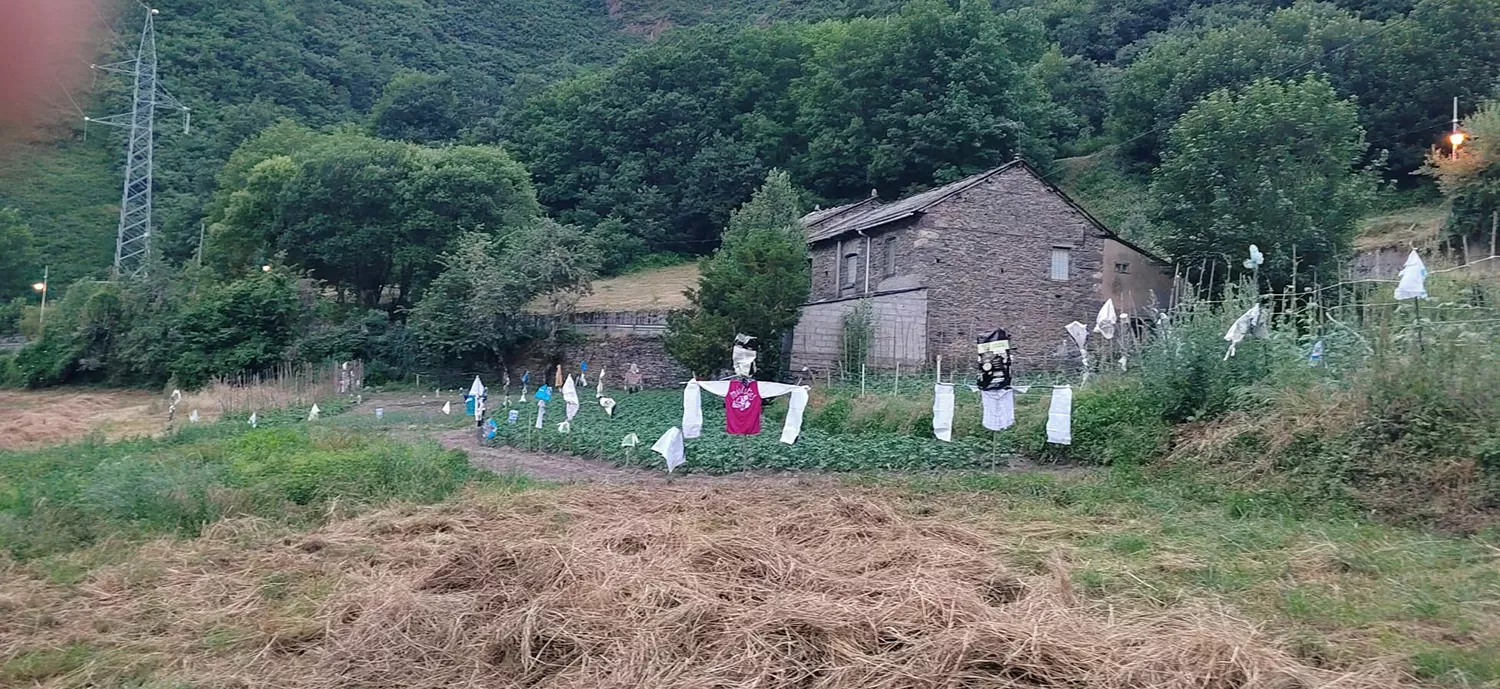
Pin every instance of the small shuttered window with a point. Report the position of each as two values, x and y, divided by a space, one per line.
890 256
851 269
1061 258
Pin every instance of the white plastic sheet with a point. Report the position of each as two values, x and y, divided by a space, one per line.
1060 416
570 397
312 414
942 412
1105 323
669 446
448 408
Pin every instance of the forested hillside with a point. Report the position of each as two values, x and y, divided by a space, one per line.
242 66
387 151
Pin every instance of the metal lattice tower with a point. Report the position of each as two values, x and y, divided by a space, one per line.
133 241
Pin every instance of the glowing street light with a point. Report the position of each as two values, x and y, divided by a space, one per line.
1457 137
42 287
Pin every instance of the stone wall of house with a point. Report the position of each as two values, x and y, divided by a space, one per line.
994 243
1134 280
614 349
984 256
899 337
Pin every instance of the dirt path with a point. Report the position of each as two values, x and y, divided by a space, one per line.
569 469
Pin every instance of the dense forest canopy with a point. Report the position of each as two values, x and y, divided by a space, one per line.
370 147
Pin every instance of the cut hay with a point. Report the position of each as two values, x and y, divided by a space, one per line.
641 587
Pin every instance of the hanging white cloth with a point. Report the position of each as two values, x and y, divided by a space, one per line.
564 427
999 408
793 426
599 391
692 409
669 446
254 420
609 405
476 390
1242 327
570 396
942 412
541 411
1413 283
1060 416
448 408
193 417
1104 324
312 414
630 440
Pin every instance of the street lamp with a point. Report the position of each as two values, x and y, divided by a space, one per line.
1457 137
42 287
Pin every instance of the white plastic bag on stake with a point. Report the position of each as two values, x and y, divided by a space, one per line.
1104 324
1413 283
1242 327
448 408
312 414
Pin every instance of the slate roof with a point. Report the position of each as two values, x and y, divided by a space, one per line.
818 217
891 212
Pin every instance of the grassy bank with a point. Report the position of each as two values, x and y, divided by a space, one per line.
62 498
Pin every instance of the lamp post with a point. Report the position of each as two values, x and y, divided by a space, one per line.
42 287
1457 137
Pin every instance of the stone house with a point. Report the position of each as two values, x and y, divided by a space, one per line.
1002 248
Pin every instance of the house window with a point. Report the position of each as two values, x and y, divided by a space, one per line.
1122 268
890 256
1060 260
851 269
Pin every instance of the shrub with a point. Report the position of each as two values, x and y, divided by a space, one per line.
1115 423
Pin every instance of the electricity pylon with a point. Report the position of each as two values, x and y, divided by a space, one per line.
133 240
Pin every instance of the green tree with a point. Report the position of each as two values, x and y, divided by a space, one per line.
933 94
417 107
1278 165
18 265
753 284
474 310
360 213
1471 181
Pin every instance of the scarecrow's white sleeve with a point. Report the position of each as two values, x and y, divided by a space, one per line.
716 387
795 407
692 411
768 390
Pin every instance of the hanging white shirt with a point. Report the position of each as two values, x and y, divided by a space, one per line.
669 446
942 412
1060 417
999 408
692 405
